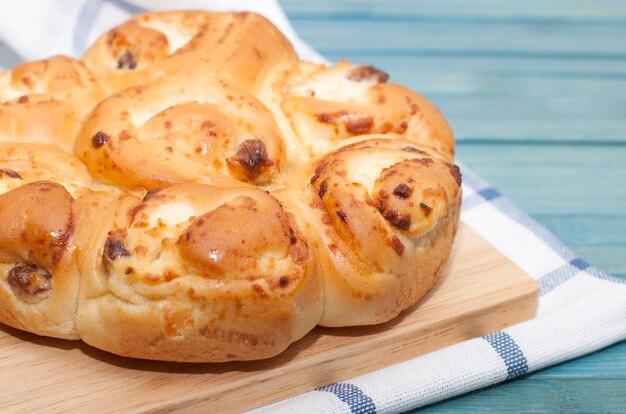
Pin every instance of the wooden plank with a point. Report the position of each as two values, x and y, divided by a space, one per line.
479 292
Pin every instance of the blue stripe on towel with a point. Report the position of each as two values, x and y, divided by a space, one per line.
127 6
86 17
561 275
489 193
88 14
486 194
512 355
353 396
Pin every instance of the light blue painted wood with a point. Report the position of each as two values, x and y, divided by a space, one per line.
509 118
485 67
542 10
554 179
492 101
450 38
607 363
591 384
535 90
576 191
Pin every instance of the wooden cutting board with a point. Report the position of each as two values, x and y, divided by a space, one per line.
480 292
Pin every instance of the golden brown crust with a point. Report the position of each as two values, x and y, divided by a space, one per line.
158 283
382 215
179 130
181 258
237 47
44 101
320 109
37 233
26 163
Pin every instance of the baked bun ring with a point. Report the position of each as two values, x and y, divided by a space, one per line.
238 47
221 198
320 109
44 101
381 215
194 273
179 130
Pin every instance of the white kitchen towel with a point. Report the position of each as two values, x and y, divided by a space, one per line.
581 309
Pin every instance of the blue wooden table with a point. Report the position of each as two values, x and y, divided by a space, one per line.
536 94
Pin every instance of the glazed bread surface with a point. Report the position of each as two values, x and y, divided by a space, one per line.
190 191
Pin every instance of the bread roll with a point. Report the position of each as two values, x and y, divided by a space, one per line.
381 215
27 163
38 272
179 130
39 278
321 109
44 101
194 273
242 48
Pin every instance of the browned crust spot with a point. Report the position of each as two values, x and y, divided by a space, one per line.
62 239
322 189
151 194
423 161
135 210
355 124
250 160
292 236
402 191
124 135
359 125
415 150
397 245
330 117
99 139
10 173
314 178
427 209
400 221
369 73
456 173
342 215
127 61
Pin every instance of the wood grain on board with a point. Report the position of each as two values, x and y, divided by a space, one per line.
479 292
